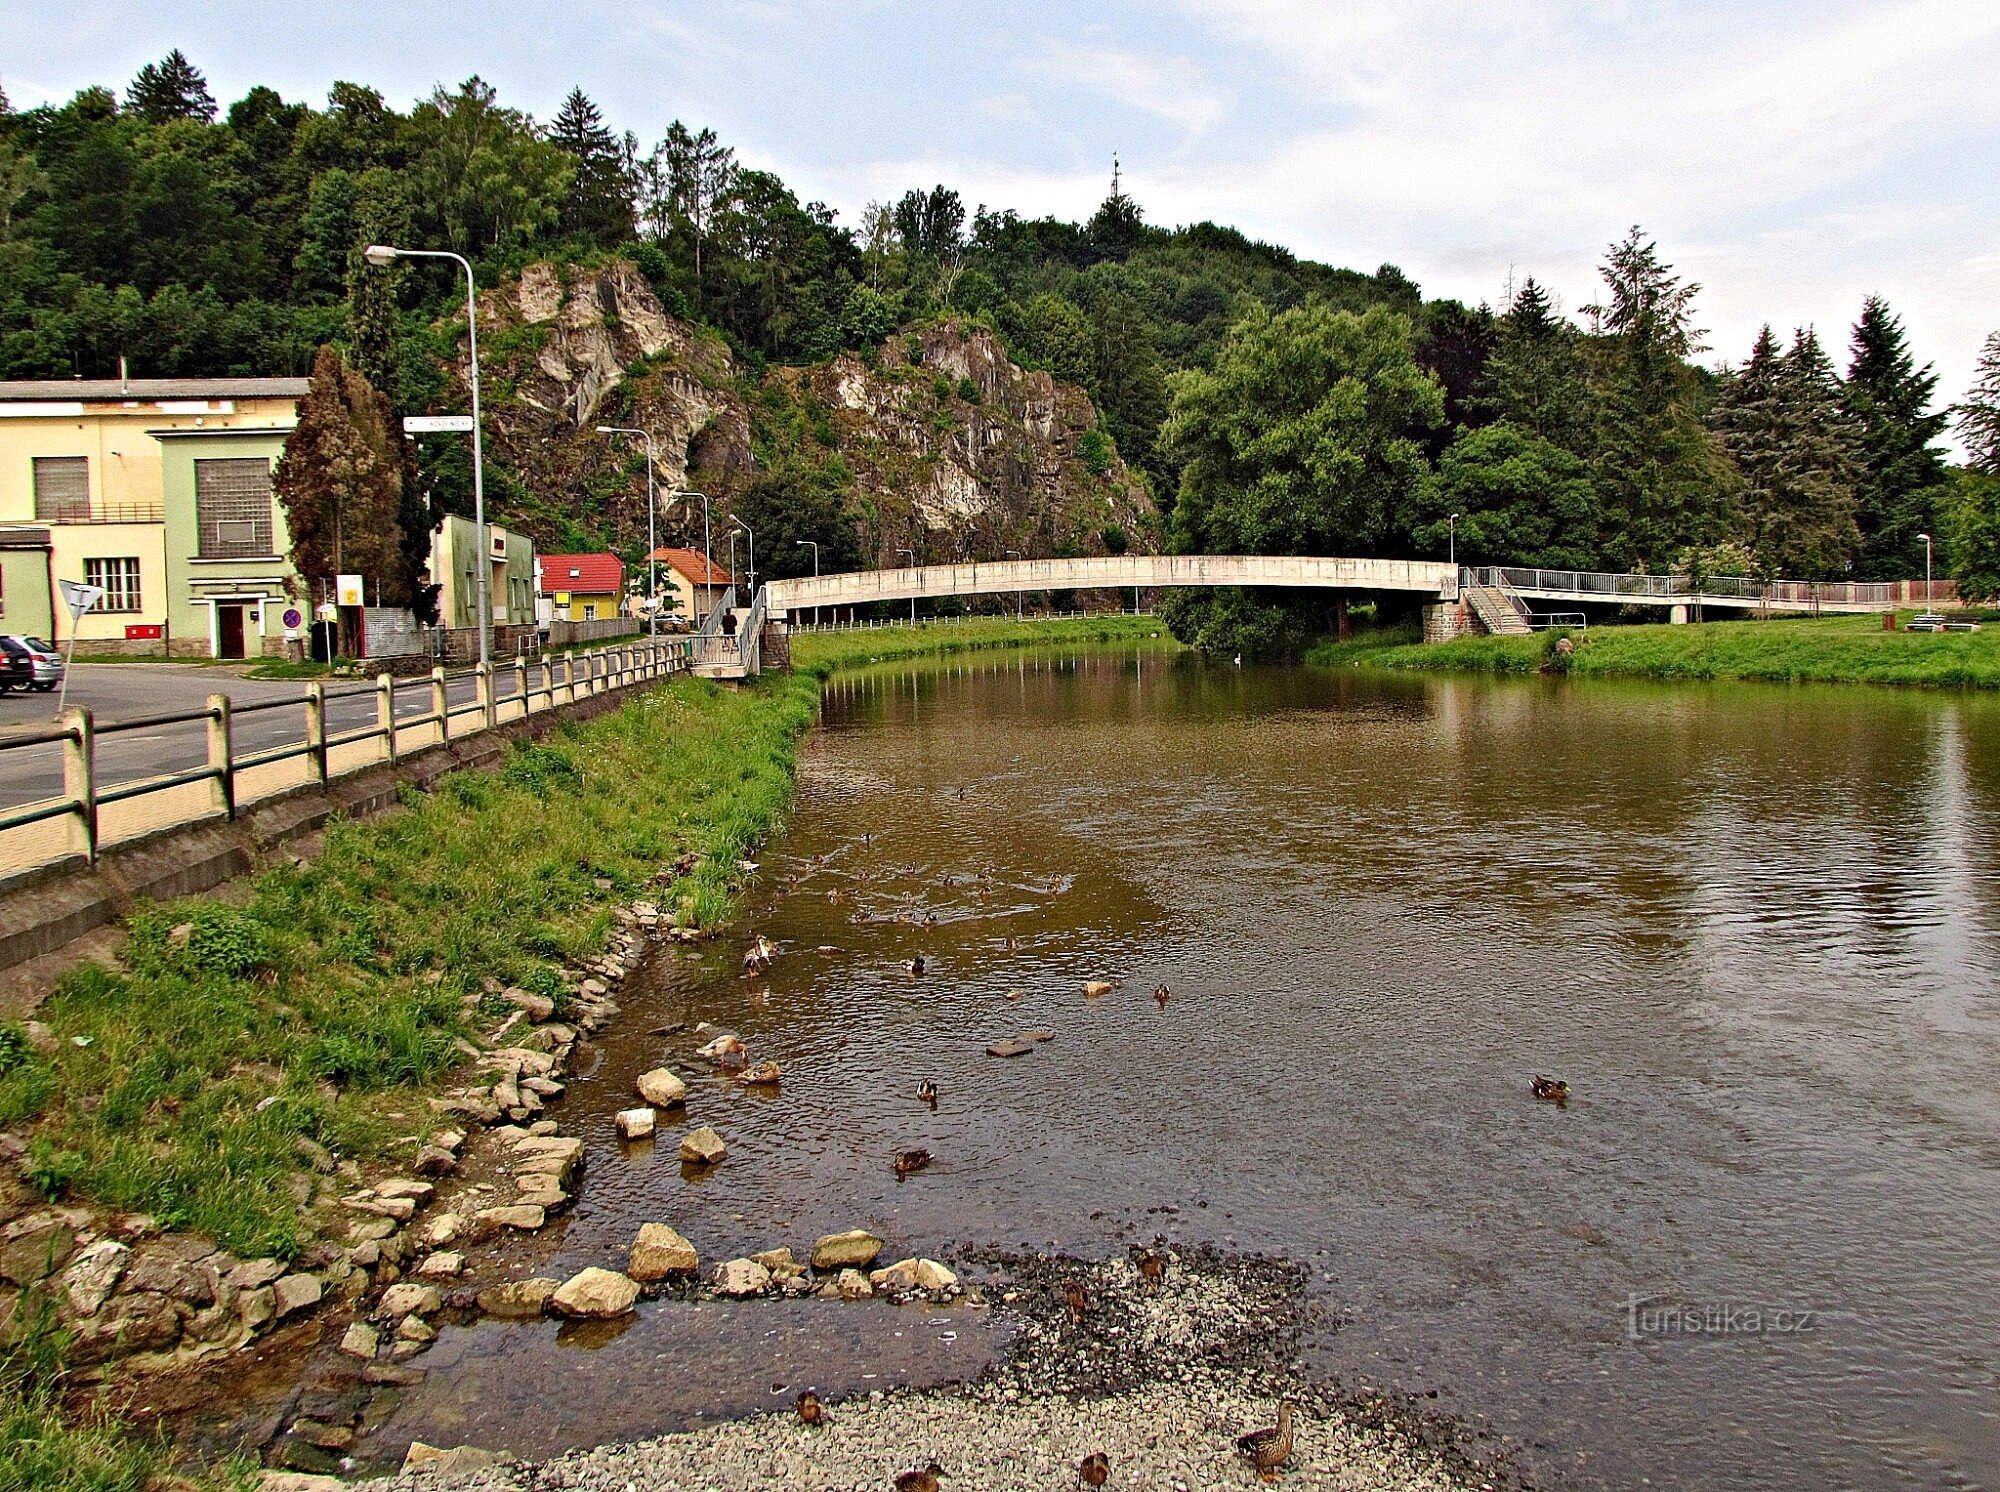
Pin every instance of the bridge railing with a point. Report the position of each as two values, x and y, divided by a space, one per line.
1615 586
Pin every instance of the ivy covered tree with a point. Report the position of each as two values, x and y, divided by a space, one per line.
1887 400
340 481
172 88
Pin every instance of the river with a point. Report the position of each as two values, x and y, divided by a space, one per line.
1755 929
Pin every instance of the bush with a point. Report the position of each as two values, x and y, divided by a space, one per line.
1094 450
968 390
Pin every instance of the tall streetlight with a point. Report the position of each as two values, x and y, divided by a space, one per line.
382 255
707 555
753 552
812 544
1451 534
652 538
913 564
1927 570
1020 592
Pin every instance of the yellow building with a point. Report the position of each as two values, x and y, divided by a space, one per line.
99 464
582 587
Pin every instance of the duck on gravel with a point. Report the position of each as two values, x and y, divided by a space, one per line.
1094 1470
810 1412
927 1092
924 1479
914 965
1550 1090
1269 1448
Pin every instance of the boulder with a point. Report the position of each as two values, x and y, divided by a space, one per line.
294 1292
934 1277
852 1284
740 1278
523 1216
538 1007
635 1124
595 1294
255 1274
447 1460
517 1299
659 1251
409 1299
899 1278
443 1228
702 1146
35 1247
854 1249
93 1274
255 1308
442 1266
1012 1046
298 1481
419 1192
1096 987
661 1088
360 1341
415 1329
779 1261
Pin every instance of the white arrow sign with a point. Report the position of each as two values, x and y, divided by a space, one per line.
437 424
80 597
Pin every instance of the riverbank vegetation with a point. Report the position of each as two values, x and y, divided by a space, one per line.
821 653
1826 650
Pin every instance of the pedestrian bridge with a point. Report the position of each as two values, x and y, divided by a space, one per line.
1435 580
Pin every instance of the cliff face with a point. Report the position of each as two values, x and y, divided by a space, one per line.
939 441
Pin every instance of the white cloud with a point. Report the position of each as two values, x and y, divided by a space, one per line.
1174 89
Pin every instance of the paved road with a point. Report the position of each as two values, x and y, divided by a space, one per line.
126 691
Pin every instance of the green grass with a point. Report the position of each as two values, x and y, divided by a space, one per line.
1830 650
822 653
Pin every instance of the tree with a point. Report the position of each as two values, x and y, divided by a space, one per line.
1453 345
795 502
490 179
1971 532
172 88
340 481
1128 382
599 201
1887 401
1661 480
1535 378
1306 438
699 174
1115 229
1520 500
1978 414
931 224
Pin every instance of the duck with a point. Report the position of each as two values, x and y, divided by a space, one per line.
763 1075
1153 1267
1269 1448
914 965
923 1479
1161 996
758 959
810 1412
930 919
1094 1470
927 1092
908 1162
1550 1090
1076 1300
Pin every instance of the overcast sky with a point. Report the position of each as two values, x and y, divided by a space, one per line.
1792 157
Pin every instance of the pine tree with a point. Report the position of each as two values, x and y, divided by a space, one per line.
1113 232
1535 379
172 88
341 482
599 202
1978 423
1888 402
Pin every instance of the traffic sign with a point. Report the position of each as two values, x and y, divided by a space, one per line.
293 619
437 424
80 597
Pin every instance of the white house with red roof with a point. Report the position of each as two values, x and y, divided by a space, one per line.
698 583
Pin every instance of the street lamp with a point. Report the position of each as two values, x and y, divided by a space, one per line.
1451 532
707 560
753 552
652 538
913 564
381 256
814 546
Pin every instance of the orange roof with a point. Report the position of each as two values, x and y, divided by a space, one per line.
592 574
693 566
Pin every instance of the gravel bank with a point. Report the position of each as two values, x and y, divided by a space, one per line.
1160 1378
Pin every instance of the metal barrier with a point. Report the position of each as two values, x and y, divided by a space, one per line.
1678 588
73 822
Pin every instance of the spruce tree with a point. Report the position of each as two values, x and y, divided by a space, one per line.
1978 414
599 202
172 88
1535 379
1887 400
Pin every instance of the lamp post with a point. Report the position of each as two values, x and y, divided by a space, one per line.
913 564
382 255
753 552
1927 570
652 538
812 544
1451 534
1020 592
707 559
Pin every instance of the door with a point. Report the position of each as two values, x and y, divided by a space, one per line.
229 631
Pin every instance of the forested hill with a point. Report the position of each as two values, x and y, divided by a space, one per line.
149 223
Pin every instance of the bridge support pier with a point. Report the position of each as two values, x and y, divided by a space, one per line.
1446 620
1677 615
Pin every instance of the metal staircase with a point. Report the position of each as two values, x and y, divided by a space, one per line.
1499 609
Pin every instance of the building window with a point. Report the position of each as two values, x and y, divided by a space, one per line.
590 611
62 489
120 579
232 504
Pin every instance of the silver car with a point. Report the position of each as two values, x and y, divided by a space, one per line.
45 660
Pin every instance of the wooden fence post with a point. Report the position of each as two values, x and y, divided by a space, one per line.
316 727
441 704
80 774
385 715
221 762
483 683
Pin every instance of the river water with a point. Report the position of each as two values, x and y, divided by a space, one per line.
1756 929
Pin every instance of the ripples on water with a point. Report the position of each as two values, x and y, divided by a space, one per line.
1756 929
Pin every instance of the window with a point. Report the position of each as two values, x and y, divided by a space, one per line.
590 611
232 503
62 489
120 579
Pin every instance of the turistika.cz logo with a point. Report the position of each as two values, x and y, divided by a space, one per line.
1657 1318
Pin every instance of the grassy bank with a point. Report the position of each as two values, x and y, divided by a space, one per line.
821 653
1827 650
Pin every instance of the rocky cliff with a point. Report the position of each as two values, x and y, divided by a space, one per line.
938 441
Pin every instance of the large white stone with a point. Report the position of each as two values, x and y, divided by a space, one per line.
597 1294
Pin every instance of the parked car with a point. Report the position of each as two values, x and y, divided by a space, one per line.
47 662
17 666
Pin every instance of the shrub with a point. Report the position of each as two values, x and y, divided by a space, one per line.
968 390
941 386
1094 449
